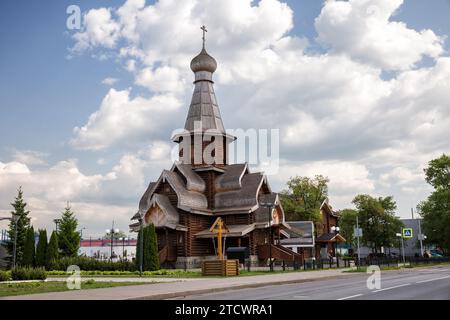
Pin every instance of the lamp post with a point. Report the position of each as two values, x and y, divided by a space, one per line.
403 247
123 246
112 231
56 221
336 229
81 233
271 206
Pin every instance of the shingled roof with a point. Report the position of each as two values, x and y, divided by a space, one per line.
236 190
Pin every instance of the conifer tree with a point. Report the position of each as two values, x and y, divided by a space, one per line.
68 236
150 249
29 250
52 254
138 250
41 250
151 254
18 226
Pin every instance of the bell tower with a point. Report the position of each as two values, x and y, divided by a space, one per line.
204 141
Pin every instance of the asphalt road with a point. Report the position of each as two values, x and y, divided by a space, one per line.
408 284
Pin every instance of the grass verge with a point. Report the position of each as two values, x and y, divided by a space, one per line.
16 289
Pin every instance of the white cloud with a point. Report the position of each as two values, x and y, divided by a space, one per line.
29 157
363 29
121 117
109 81
97 199
100 29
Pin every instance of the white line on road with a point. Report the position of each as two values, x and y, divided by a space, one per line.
429 280
399 286
349 297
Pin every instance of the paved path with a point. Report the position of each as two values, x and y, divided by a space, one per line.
185 287
408 284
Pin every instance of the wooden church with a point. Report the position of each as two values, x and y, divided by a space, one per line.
201 186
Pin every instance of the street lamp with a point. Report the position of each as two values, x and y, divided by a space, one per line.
271 206
336 229
81 232
56 221
112 231
123 246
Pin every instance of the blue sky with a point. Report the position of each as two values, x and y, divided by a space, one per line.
45 95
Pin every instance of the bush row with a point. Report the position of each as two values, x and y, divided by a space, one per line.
86 263
28 274
162 272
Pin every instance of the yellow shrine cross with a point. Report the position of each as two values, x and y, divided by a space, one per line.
220 228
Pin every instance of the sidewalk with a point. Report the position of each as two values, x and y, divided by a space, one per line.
183 287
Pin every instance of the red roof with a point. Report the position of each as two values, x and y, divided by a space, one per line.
106 243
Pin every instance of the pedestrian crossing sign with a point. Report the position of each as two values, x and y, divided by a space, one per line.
407 233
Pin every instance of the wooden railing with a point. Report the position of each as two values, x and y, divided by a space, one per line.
278 253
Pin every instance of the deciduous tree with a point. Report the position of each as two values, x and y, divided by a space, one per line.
436 209
303 198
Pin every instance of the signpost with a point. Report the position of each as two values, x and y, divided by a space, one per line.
358 234
402 235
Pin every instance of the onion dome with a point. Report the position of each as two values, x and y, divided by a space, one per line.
203 62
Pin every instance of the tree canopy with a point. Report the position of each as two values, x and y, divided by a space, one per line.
376 218
436 209
303 198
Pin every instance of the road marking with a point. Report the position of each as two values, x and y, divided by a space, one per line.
429 280
300 297
349 297
399 286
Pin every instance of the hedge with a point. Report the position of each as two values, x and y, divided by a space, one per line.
28 274
4 276
86 263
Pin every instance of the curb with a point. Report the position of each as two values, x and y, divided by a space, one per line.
171 295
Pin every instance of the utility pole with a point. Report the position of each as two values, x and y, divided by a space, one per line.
421 238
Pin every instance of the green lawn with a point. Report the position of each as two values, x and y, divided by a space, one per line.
16 289
166 273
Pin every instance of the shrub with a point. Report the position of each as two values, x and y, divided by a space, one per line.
28 274
90 264
4 276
